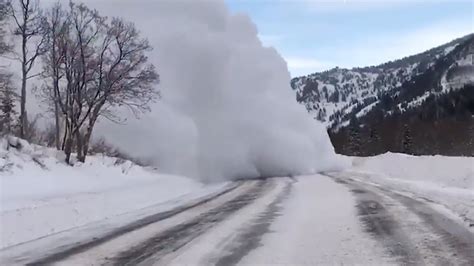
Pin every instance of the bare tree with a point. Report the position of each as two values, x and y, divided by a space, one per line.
124 77
29 24
56 27
96 65
78 66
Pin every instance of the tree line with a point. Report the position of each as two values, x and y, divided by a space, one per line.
85 65
442 124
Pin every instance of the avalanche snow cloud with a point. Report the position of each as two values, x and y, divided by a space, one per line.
227 109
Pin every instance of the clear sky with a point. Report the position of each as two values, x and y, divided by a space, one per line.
314 35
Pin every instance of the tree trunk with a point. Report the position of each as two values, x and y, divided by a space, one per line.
56 118
24 73
66 128
23 118
88 135
80 147
68 148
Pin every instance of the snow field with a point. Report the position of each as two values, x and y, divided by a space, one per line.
47 197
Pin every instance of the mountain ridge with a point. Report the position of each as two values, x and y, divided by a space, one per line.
365 96
325 93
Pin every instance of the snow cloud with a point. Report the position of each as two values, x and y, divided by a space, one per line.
227 109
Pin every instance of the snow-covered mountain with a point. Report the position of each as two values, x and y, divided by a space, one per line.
338 95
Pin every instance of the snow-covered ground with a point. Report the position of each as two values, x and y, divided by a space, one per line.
47 208
43 198
444 181
305 220
41 195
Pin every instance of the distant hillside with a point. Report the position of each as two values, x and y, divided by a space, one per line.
414 95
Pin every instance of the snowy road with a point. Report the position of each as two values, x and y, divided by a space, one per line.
307 220
411 230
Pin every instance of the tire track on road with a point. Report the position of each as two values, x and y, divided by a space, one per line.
150 251
381 224
250 238
411 231
82 247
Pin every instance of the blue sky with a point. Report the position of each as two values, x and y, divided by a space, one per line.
314 35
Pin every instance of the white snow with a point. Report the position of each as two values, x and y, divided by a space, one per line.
37 201
418 101
468 60
57 205
366 109
449 49
357 86
445 181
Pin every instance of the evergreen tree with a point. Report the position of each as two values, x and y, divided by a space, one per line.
320 116
343 98
8 114
334 96
407 140
354 138
4 46
7 94
325 93
470 140
374 142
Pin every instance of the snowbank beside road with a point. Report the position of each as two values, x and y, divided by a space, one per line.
446 171
446 181
41 195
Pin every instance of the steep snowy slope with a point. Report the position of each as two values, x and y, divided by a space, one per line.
338 95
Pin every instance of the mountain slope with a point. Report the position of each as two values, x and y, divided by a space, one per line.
433 88
337 95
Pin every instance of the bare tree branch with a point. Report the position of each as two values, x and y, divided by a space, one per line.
29 27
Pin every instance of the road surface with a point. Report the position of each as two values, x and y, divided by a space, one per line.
305 220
